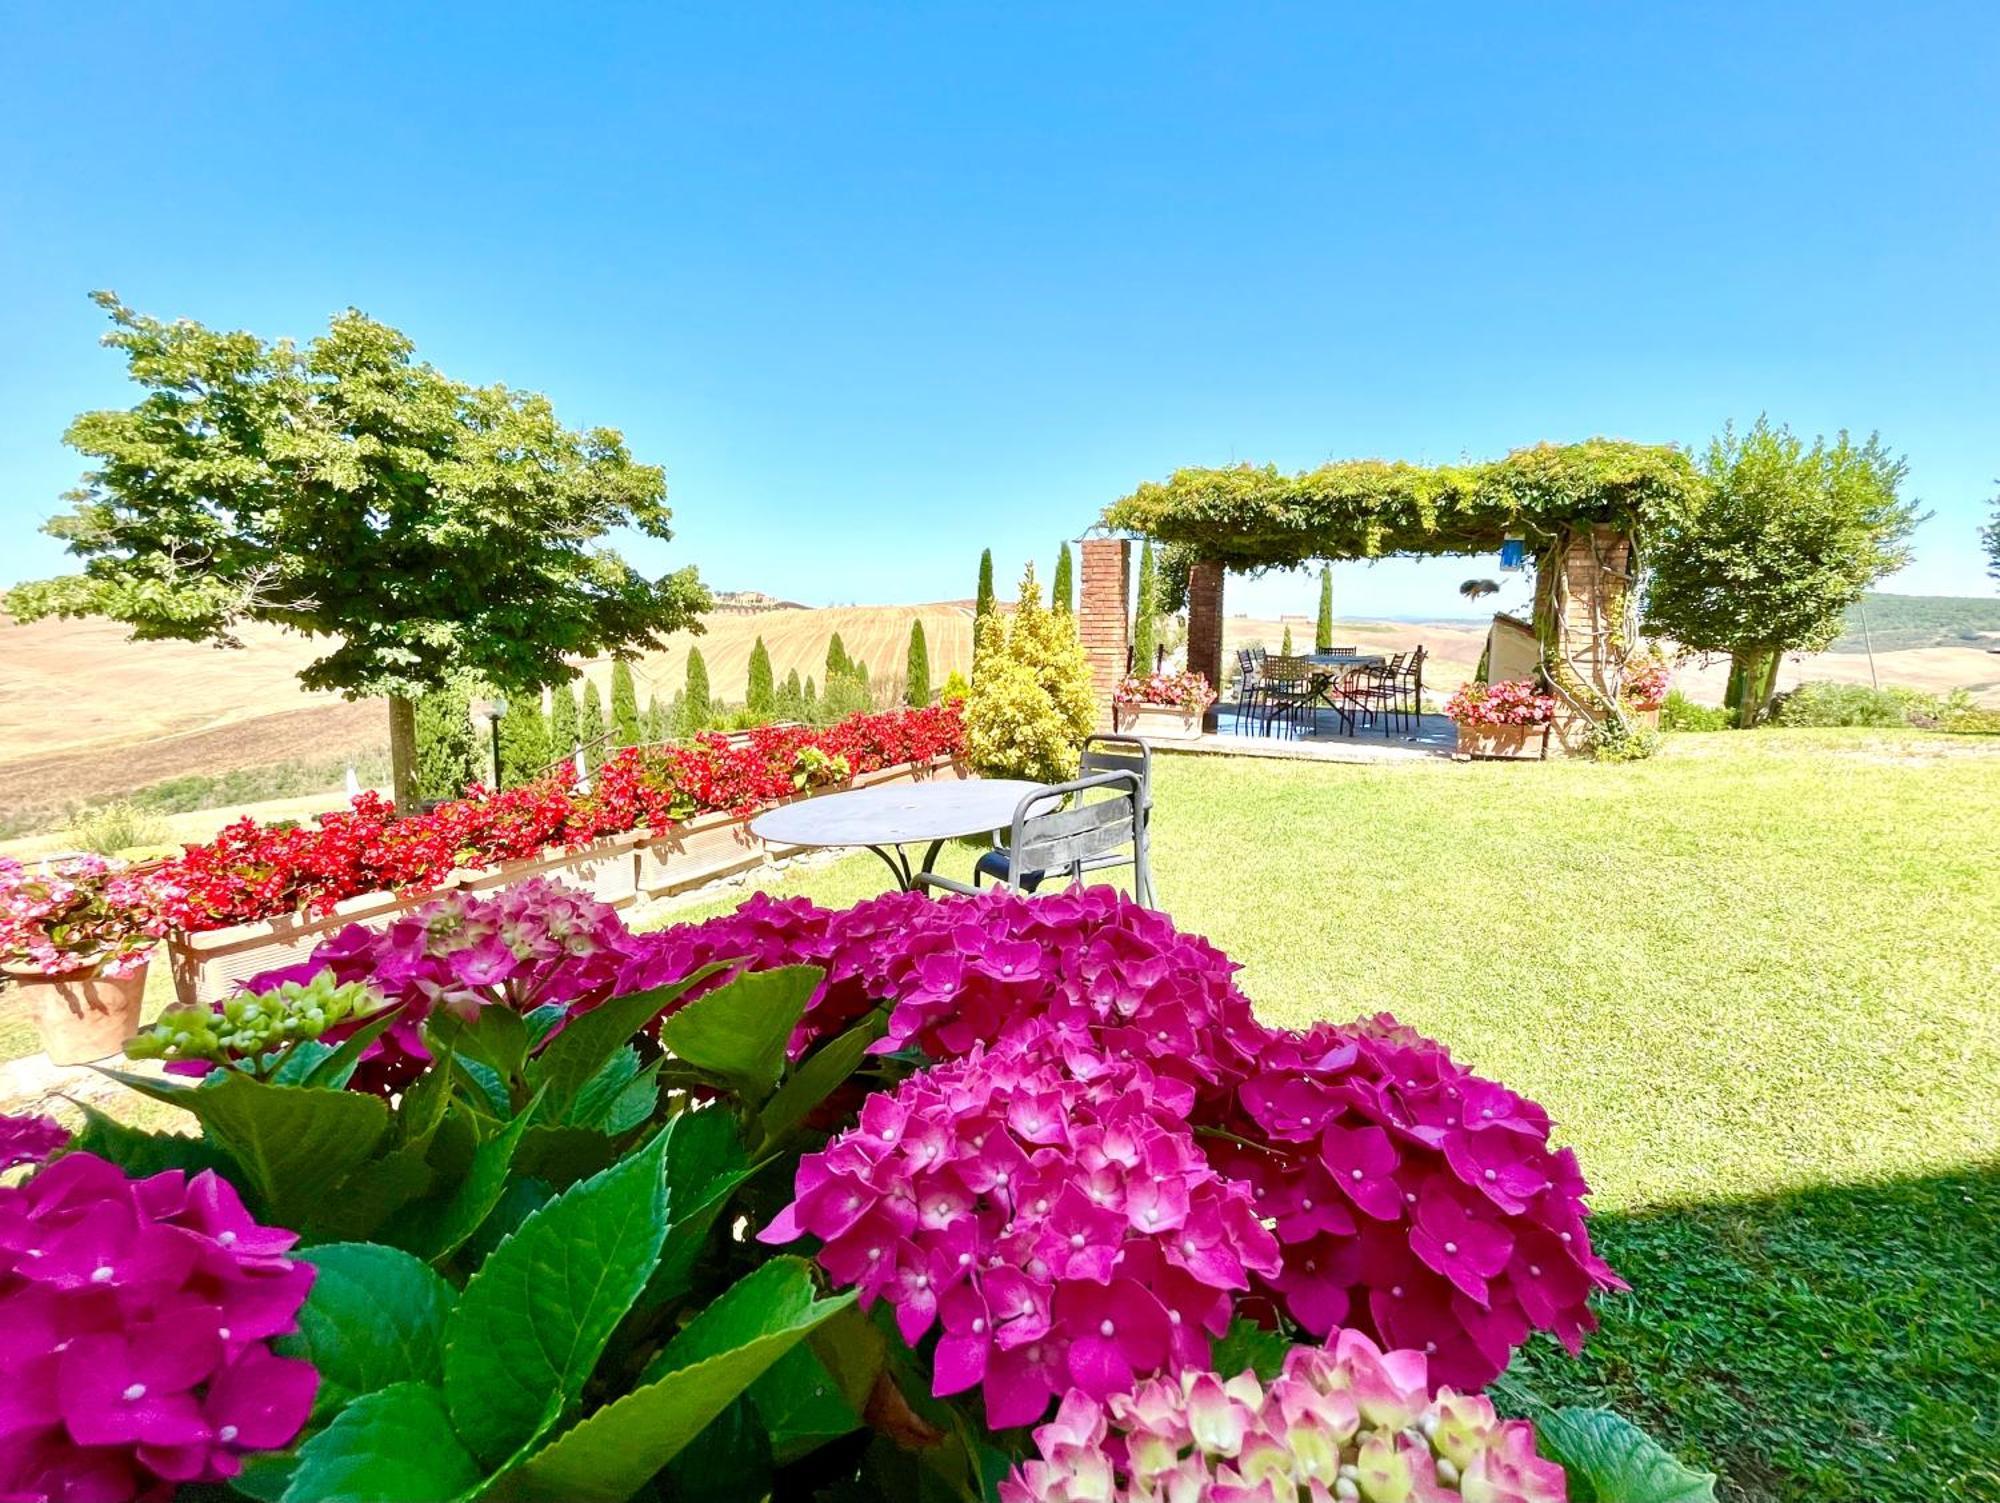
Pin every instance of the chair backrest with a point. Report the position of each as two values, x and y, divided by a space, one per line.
1258 654
1288 670
1246 662
1415 663
1103 752
1345 652
1054 831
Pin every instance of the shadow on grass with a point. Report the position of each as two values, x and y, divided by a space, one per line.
1832 1343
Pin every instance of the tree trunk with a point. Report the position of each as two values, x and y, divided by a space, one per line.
1753 679
403 751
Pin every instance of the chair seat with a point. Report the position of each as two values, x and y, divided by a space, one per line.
995 864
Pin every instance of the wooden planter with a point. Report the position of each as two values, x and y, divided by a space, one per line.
81 1017
606 870
1159 722
214 962
1514 743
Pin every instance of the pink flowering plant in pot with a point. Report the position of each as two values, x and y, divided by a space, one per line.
826 1200
1510 702
81 916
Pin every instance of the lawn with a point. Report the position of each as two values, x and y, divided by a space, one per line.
1757 983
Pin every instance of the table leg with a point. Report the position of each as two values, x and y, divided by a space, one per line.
899 867
930 857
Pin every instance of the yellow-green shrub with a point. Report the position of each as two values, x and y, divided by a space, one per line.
1031 703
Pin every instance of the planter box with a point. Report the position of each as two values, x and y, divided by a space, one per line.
1647 720
1519 743
617 871
1158 722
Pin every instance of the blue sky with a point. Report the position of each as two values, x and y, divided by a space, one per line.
881 286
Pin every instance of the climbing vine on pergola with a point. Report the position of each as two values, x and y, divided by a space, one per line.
1598 499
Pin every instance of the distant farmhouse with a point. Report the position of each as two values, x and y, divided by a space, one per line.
751 603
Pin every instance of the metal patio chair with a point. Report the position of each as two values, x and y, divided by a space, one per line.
1061 831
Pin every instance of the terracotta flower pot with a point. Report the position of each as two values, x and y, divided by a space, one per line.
84 1016
1504 742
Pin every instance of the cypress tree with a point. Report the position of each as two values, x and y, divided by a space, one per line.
524 739
562 722
625 727
1062 593
656 720
837 663
1323 634
1145 621
811 695
449 755
590 725
694 698
917 672
982 604
760 696
1286 650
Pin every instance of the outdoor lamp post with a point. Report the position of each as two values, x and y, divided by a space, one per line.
490 710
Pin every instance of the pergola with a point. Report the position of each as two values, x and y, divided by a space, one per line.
1583 511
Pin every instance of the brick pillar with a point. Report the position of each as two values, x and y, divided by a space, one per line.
1104 616
1596 569
1204 638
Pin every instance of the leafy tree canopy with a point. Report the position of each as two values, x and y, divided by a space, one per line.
347 490
1253 518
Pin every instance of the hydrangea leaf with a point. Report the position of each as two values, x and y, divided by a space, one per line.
738 1032
293 1143
817 1076
705 1164
142 1154
434 1229
802 1405
577 1053
534 1319
719 1354
1247 1344
336 1067
564 1155
395 1445
375 1316
1609 1459
361 1203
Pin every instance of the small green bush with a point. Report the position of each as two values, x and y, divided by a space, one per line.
1826 704
1679 713
118 826
1616 741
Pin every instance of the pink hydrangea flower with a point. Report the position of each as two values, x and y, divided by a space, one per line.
135 1326
29 1140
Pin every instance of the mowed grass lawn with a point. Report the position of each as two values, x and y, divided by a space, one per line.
1757 983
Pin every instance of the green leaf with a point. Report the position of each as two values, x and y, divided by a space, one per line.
817 1075
609 1456
361 1203
296 1065
581 1049
801 1404
395 1445
265 1476
593 1099
564 1155
738 1032
705 1164
497 1038
1611 1460
729 1461
635 1104
535 1317
488 1091
434 1229
337 1068
542 1022
141 1154
375 1317
1247 1344
293 1143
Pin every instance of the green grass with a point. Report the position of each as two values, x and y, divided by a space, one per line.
1756 981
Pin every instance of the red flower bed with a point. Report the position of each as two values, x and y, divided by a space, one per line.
251 871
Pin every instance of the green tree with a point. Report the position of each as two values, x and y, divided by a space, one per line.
449 755
696 709
1062 590
1031 703
1146 618
626 727
658 727
1788 538
792 697
1991 537
837 661
761 696
590 725
347 491
524 739
562 721
1286 649
982 602
1323 632
811 696
917 668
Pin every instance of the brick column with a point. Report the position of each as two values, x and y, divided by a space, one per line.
1204 638
1104 616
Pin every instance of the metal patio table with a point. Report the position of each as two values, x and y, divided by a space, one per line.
886 819
1337 664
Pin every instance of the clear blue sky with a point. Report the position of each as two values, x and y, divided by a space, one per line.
880 286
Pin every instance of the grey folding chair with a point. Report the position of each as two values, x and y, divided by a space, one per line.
1060 831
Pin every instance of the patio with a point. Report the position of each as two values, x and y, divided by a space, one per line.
1323 740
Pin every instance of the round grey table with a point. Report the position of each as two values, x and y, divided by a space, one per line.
886 819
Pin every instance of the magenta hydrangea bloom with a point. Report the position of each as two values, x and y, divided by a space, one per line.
1410 1199
1353 1422
29 1140
522 947
135 1325
1063 1231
